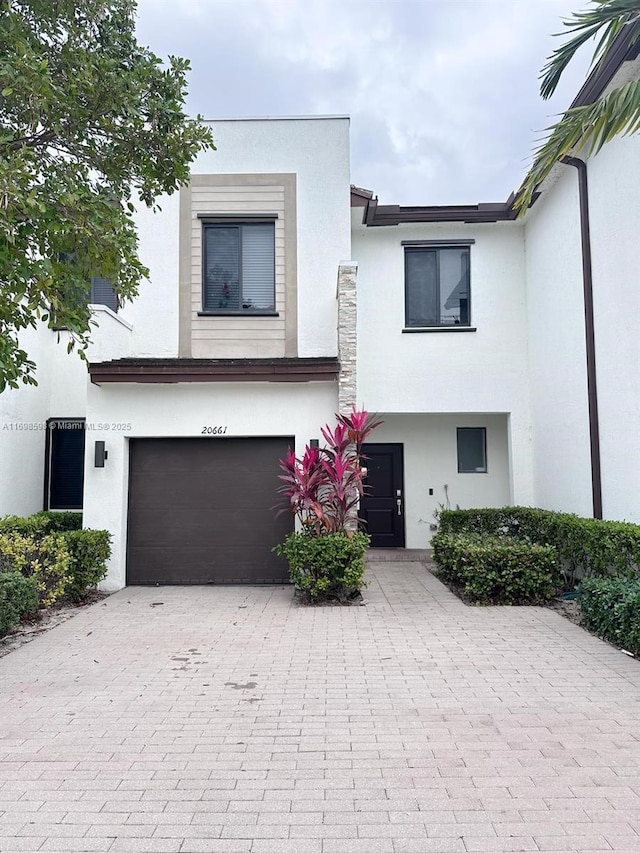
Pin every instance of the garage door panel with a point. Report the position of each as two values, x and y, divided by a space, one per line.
202 511
180 527
224 565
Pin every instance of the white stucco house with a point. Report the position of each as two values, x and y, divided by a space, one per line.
501 352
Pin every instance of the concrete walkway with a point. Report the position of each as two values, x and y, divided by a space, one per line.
228 720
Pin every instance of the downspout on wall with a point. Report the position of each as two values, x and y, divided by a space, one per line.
589 329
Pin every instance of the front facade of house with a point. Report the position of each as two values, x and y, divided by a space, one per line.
278 297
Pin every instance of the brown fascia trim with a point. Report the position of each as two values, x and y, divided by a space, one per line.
589 333
360 196
376 215
172 370
625 47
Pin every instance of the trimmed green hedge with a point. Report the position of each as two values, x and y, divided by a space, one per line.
64 559
331 564
60 522
586 547
41 523
498 570
89 551
18 596
611 609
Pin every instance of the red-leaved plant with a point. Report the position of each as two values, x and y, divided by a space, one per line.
324 486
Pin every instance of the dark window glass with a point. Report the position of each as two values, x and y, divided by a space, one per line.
65 474
472 450
239 267
437 287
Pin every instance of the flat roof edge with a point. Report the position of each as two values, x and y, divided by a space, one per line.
279 118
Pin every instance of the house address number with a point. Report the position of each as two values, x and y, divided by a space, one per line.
213 430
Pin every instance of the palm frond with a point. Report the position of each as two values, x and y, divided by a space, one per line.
611 15
588 127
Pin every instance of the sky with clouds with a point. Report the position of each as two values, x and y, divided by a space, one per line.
443 94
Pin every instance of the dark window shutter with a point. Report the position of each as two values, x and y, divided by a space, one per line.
66 464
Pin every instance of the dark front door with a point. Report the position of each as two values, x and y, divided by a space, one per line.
201 511
382 507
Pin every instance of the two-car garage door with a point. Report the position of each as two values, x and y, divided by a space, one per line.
201 510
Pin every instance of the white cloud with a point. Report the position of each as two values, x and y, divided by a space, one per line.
443 94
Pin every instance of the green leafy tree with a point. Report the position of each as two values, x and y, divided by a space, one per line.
592 125
91 124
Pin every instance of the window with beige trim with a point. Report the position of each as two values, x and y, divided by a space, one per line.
238 268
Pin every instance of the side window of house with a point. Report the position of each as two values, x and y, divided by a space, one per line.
472 450
437 287
239 268
64 463
102 293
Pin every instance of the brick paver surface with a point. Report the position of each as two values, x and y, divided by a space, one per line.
227 719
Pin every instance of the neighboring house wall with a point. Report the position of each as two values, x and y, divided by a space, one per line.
60 393
557 334
614 207
23 415
557 373
452 371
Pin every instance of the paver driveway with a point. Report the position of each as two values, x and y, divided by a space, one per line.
226 719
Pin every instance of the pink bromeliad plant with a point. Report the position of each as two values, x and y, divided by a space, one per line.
322 489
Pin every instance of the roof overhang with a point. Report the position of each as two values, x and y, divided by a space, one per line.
392 214
174 370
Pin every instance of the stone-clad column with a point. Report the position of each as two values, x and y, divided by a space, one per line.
347 334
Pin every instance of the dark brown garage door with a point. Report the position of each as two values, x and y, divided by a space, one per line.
201 511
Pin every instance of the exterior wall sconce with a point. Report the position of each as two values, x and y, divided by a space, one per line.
100 454
315 443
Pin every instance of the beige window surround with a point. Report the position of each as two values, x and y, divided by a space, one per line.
237 197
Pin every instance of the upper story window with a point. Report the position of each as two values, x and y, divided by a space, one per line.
437 291
102 293
239 268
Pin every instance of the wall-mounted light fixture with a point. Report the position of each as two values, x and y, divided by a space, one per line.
100 454
315 443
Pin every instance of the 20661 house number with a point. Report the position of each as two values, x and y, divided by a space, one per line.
213 430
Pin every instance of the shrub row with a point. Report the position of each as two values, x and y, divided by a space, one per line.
611 609
497 570
55 556
41 523
18 596
586 547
